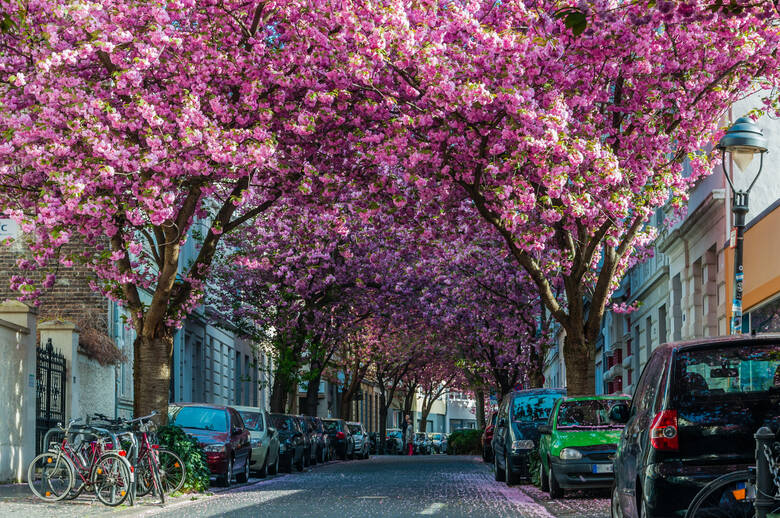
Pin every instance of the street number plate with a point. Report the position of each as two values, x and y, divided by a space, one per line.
602 468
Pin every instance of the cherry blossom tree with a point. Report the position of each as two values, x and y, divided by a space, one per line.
563 142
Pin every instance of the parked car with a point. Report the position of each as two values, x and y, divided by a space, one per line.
421 444
692 418
319 439
373 441
264 440
435 439
291 445
360 437
516 433
487 438
394 441
340 438
222 435
578 444
307 444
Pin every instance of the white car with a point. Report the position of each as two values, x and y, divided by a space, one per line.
361 440
264 440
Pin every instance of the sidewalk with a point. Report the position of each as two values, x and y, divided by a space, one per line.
16 500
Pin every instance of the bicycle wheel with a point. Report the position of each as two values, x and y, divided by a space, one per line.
158 486
50 476
727 496
173 472
111 479
143 476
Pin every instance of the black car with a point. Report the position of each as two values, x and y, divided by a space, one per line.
307 442
692 418
319 440
339 437
373 442
291 442
516 432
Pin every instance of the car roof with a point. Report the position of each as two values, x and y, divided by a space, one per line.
537 391
732 340
242 408
355 423
595 398
204 405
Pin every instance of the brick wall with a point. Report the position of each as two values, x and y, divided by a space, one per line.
70 298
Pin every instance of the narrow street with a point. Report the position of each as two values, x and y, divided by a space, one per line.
390 486
384 486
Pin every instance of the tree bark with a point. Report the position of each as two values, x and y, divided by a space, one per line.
152 357
579 358
312 395
382 421
480 396
279 392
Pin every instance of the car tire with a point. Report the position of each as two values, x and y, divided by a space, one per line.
227 478
499 473
306 458
543 482
243 477
614 505
555 489
509 477
288 465
264 470
314 458
274 468
300 465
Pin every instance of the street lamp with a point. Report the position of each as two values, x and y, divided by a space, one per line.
742 141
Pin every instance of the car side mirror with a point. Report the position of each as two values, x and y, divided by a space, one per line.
545 429
502 422
271 431
619 413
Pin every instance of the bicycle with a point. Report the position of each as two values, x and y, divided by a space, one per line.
52 474
746 493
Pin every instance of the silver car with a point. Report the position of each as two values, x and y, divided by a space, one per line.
361 440
264 440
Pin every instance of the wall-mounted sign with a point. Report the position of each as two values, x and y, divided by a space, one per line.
8 228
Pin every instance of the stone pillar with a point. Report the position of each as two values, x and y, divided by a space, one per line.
17 386
64 337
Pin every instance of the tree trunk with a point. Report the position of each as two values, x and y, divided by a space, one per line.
409 398
346 406
424 413
312 396
152 357
278 392
382 422
480 396
581 369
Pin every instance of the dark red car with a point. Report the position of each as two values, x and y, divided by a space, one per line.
487 438
222 435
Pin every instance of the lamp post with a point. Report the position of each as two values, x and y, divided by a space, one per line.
742 141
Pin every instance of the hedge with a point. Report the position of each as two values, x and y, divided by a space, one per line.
465 442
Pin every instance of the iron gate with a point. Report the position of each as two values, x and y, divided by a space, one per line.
50 391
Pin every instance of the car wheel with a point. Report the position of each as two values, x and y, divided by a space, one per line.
243 477
614 508
306 458
543 478
300 465
499 473
288 465
227 478
315 457
509 477
264 470
555 489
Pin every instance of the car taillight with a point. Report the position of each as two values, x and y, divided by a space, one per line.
340 435
663 431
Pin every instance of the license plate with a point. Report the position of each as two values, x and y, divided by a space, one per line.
602 468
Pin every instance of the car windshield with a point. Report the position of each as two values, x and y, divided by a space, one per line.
200 418
283 423
589 413
252 420
355 429
713 373
534 408
331 426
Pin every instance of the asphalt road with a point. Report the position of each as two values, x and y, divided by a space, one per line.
383 487
392 487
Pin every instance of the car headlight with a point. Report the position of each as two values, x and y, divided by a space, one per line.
214 448
523 445
255 443
570 454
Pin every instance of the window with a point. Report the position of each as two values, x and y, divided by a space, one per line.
199 418
253 420
589 413
533 408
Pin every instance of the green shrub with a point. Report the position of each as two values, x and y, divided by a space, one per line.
465 442
173 438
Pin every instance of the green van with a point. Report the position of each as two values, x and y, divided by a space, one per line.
578 444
